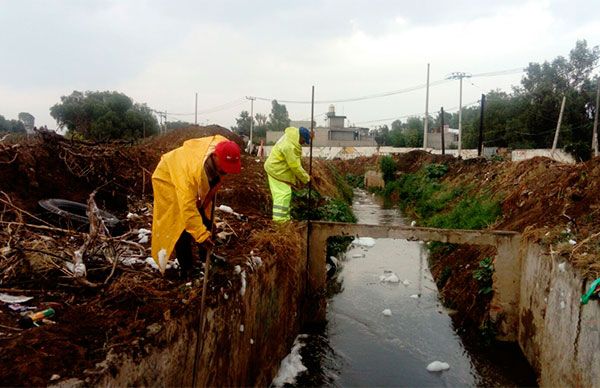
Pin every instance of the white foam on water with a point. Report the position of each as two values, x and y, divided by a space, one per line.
438 366
291 365
364 241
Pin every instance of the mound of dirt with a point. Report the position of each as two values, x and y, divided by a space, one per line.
122 296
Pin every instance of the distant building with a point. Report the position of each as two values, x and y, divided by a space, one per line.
434 138
335 134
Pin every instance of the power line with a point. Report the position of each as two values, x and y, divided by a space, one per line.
501 72
411 115
394 92
367 97
241 100
228 105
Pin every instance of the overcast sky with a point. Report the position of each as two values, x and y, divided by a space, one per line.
163 52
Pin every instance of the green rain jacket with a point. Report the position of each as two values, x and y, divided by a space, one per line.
284 161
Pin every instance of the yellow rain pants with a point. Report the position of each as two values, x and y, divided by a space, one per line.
282 198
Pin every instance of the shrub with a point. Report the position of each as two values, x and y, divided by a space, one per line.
325 209
388 168
435 171
356 180
483 275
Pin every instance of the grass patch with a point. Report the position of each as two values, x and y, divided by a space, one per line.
469 213
440 205
356 180
321 208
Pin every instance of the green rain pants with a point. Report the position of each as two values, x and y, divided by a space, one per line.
282 197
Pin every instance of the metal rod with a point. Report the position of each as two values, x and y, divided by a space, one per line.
443 133
251 122
426 122
595 135
312 129
460 119
309 226
480 144
199 341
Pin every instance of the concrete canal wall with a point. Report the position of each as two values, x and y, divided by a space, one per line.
559 336
536 303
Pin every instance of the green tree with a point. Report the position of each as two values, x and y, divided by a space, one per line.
396 135
103 116
413 132
243 124
260 129
544 85
13 126
278 118
178 124
382 135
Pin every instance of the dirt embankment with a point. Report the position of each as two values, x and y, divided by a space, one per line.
557 204
122 296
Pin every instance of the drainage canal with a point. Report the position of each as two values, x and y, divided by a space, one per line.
386 325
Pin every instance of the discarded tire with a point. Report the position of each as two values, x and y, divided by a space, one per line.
75 212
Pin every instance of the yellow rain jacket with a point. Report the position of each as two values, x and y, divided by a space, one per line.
284 161
181 187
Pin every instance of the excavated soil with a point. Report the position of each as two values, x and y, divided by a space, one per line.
548 201
114 308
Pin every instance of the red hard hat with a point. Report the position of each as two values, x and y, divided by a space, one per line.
228 157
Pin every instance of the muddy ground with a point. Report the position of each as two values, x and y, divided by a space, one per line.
122 296
114 306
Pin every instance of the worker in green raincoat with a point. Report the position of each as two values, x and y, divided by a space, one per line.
284 169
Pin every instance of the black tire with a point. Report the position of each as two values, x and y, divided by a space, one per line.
75 212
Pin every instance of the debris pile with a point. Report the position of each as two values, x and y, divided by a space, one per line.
97 278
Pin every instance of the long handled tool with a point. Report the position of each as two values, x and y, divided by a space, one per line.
310 215
199 342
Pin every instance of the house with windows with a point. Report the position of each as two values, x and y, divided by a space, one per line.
334 134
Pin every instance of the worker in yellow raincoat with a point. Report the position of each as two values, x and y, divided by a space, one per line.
184 183
284 169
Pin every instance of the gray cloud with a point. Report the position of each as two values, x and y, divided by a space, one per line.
162 52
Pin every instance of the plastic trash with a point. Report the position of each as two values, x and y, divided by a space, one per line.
34 319
594 288
225 209
438 366
14 298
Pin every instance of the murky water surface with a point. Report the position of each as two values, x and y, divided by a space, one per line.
361 346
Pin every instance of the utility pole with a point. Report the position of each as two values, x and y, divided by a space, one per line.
480 144
442 131
459 76
562 109
196 111
595 135
161 124
251 121
312 134
165 122
426 122
160 121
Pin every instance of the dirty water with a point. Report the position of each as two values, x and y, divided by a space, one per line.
362 346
